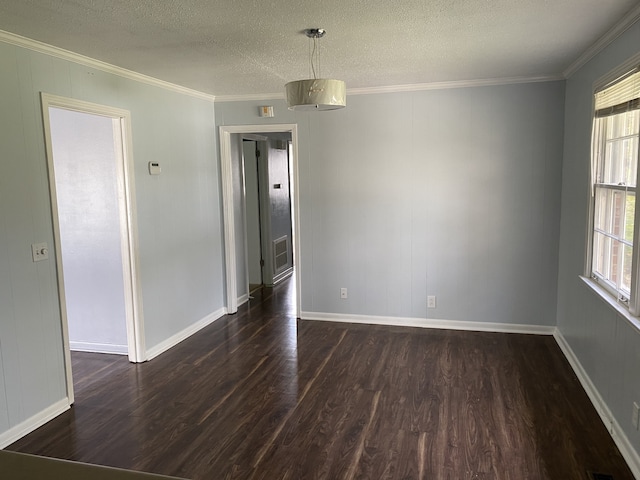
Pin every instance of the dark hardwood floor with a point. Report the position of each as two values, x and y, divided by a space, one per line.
259 395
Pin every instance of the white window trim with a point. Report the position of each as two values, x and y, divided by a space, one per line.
631 311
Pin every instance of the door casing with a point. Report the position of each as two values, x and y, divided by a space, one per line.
128 228
225 133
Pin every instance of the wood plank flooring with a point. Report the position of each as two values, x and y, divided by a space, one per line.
259 395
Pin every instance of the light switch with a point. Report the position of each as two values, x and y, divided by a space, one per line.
154 168
39 251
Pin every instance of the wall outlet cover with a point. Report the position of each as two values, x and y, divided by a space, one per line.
431 301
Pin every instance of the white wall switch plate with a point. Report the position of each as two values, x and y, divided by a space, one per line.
343 293
635 415
39 251
154 168
431 301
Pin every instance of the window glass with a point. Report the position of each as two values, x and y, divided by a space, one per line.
614 200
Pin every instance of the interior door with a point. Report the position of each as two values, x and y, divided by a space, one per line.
252 191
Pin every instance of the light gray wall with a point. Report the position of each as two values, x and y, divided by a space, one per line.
607 346
454 193
179 218
86 186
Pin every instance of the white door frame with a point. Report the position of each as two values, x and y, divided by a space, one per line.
228 208
128 227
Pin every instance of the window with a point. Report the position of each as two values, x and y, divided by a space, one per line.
614 173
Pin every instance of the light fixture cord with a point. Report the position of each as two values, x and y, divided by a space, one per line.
315 54
310 55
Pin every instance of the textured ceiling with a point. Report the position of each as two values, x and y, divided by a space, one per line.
240 47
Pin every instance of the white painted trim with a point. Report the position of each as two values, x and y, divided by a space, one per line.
618 29
415 87
135 333
243 299
184 334
626 448
36 421
227 204
98 348
283 276
430 323
484 82
228 220
40 47
129 233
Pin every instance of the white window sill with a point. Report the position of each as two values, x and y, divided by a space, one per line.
610 300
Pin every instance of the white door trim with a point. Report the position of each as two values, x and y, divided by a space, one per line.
228 208
128 227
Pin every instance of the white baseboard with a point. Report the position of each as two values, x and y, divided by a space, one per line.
36 421
430 323
619 437
282 276
182 335
98 348
243 299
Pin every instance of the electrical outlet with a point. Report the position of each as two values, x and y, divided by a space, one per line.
431 301
343 293
635 415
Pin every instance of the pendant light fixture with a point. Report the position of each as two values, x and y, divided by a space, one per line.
316 93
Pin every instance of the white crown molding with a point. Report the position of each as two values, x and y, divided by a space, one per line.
40 47
484 82
414 87
618 29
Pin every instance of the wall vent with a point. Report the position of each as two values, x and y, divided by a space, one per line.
280 254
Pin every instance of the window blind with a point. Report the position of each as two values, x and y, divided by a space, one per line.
621 96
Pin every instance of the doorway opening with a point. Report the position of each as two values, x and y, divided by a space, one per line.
260 202
252 212
91 188
265 179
